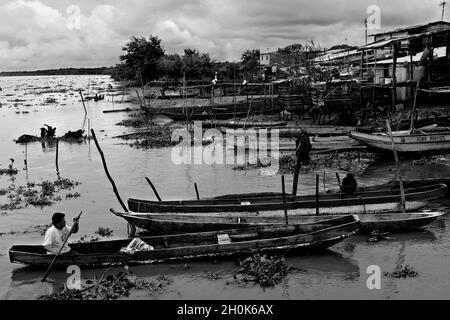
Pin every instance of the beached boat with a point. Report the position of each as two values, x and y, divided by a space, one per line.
236 242
417 142
219 114
266 205
243 124
162 223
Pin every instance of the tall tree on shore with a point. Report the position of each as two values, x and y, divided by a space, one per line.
142 57
250 61
196 65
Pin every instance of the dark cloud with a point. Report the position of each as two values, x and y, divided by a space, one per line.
35 34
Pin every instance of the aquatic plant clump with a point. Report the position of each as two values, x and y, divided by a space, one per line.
112 287
41 195
354 161
263 270
402 272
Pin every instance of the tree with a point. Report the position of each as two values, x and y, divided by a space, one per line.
171 66
250 61
142 57
196 65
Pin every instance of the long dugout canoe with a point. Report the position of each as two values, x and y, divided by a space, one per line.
334 203
238 242
405 143
161 223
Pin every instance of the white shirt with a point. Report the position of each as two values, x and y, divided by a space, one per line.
55 238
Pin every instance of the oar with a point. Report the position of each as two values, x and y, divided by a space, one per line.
60 250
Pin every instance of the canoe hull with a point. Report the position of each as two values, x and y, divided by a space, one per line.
367 202
173 224
199 245
407 144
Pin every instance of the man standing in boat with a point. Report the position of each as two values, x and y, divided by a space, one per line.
57 234
349 184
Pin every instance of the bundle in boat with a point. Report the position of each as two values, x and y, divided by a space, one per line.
375 201
300 239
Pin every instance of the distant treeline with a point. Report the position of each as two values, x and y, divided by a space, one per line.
60 72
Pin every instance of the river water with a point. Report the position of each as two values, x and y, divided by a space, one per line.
341 273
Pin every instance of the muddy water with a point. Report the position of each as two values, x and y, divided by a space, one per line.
340 273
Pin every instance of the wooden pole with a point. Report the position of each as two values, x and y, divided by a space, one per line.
153 188
284 200
411 128
297 170
339 181
107 172
196 191
26 156
60 250
394 76
82 100
57 153
397 163
317 194
139 97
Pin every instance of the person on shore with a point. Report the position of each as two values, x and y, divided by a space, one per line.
303 148
58 233
349 184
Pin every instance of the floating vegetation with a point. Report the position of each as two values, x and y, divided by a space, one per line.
112 287
41 195
104 232
41 229
377 236
248 166
429 160
155 136
10 171
50 100
73 195
402 272
87 238
263 270
354 161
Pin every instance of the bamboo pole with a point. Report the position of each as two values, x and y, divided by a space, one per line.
397 163
153 188
284 200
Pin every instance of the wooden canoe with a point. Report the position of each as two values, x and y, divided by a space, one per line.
178 116
278 239
404 142
161 223
333 203
242 124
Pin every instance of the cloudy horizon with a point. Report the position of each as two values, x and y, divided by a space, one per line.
50 34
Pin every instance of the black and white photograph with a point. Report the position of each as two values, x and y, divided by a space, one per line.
198 150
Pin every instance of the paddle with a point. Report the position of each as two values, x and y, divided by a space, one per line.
56 256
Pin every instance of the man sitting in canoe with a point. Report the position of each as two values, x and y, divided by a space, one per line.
57 233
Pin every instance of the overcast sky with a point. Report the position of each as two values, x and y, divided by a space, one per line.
44 34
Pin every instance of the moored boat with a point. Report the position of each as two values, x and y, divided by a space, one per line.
158 223
406 143
266 205
235 242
